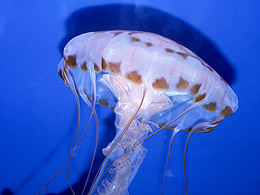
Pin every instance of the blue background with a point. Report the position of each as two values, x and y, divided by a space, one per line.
38 112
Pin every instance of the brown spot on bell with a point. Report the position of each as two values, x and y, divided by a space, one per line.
216 122
134 77
114 67
183 84
133 39
103 64
211 106
182 54
96 68
118 33
169 50
195 89
71 61
133 32
208 67
226 111
84 67
61 75
148 44
160 84
200 97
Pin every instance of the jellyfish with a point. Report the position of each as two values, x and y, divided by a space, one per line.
151 83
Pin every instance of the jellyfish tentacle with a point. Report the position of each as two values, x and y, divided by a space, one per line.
69 80
71 85
112 149
140 142
175 131
185 153
197 128
85 98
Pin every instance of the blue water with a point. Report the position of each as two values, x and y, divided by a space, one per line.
38 112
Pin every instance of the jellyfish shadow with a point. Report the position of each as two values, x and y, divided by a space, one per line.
142 18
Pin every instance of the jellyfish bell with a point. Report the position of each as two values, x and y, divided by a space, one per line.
151 83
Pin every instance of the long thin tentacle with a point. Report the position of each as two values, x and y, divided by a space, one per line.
93 79
185 152
175 131
70 81
111 149
157 131
93 112
73 89
71 84
85 98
